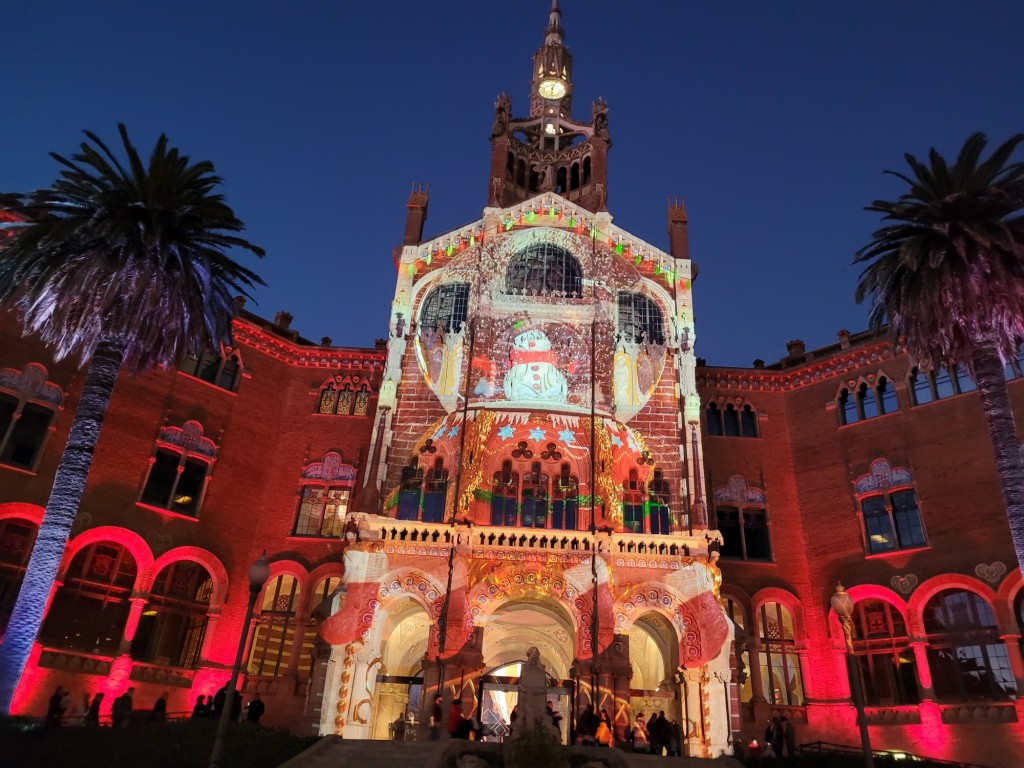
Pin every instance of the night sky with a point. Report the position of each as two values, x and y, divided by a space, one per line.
774 121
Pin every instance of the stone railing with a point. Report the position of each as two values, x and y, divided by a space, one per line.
69 661
979 713
893 715
503 537
156 673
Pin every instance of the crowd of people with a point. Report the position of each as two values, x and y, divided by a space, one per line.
62 711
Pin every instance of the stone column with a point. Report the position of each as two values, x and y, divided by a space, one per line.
210 635
693 707
756 681
924 670
1012 643
138 601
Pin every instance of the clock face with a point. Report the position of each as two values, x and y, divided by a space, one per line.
551 89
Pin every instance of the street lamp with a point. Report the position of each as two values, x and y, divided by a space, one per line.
842 604
259 572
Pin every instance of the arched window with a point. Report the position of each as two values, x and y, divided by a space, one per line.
223 370
535 498
544 269
640 319
435 492
731 421
28 405
586 169
865 401
362 402
445 307
504 495
735 611
565 499
574 176
713 417
966 657
89 611
16 540
324 497
884 656
173 623
780 664
178 470
323 591
926 386
633 498
411 490
660 496
275 633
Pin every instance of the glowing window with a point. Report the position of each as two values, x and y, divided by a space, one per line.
544 269
173 623
176 481
446 307
781 679
892 521
275 632
886 661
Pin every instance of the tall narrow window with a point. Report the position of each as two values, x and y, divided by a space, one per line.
90 609
742 519
362 404
535 498
16 540
892 521
633 498
780 664
884 657
921 387
435 493
731 421
275 632
173 623
713 417
565 500
848 413
410 491
866 401
887 402
504 495
176 481
28 405
748 422
324 496
324 590
968 660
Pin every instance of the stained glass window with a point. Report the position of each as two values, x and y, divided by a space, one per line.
544 269
446 307
640 319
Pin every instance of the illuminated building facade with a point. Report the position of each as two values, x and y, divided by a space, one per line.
534 457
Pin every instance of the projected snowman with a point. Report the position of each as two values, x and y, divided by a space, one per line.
533 374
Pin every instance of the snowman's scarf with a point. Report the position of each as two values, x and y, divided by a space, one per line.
525 357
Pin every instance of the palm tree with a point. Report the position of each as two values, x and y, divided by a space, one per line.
948 274
124 267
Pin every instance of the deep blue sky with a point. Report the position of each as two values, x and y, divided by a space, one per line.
774 120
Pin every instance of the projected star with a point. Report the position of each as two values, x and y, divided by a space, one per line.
616 441
453 431
567 436
537 433
506 432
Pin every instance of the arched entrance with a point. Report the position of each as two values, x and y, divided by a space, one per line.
509 633
654 658
400 677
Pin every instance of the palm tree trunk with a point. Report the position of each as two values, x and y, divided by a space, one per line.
988 371
61 510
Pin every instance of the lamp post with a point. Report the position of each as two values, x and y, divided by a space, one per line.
259 572
842 604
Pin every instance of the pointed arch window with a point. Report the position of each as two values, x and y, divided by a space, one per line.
16 540
179 470
90 610
968 661
324 496
781 678
640 319
866 401
535 498
646 507
565 491
888 502
345 396
28 407
505 496
544 269
222 368
275 632
884 657
445 307
173 623
545 495
731 421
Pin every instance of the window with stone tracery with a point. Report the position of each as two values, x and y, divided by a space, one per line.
545 495
220 368
781 679
645 507
274 637
28 406
422 494
324 495
445 307
741 514
927 386
544 269
323 591
640 319
90 609
179 469
173 623
884 656
344 397
888 502
731 421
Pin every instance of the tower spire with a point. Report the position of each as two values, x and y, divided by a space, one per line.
555 35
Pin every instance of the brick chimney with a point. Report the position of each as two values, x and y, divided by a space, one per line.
283 320
844 339
795 349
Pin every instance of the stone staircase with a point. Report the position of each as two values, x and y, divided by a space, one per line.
334 752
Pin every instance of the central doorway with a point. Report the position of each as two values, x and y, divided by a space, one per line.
499 694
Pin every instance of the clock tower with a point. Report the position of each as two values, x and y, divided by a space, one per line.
549 151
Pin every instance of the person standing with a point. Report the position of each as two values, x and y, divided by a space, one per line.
218 701
199 709
159 712
435 719
254 710
456 729
92 716
54 710
121 712
788 736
